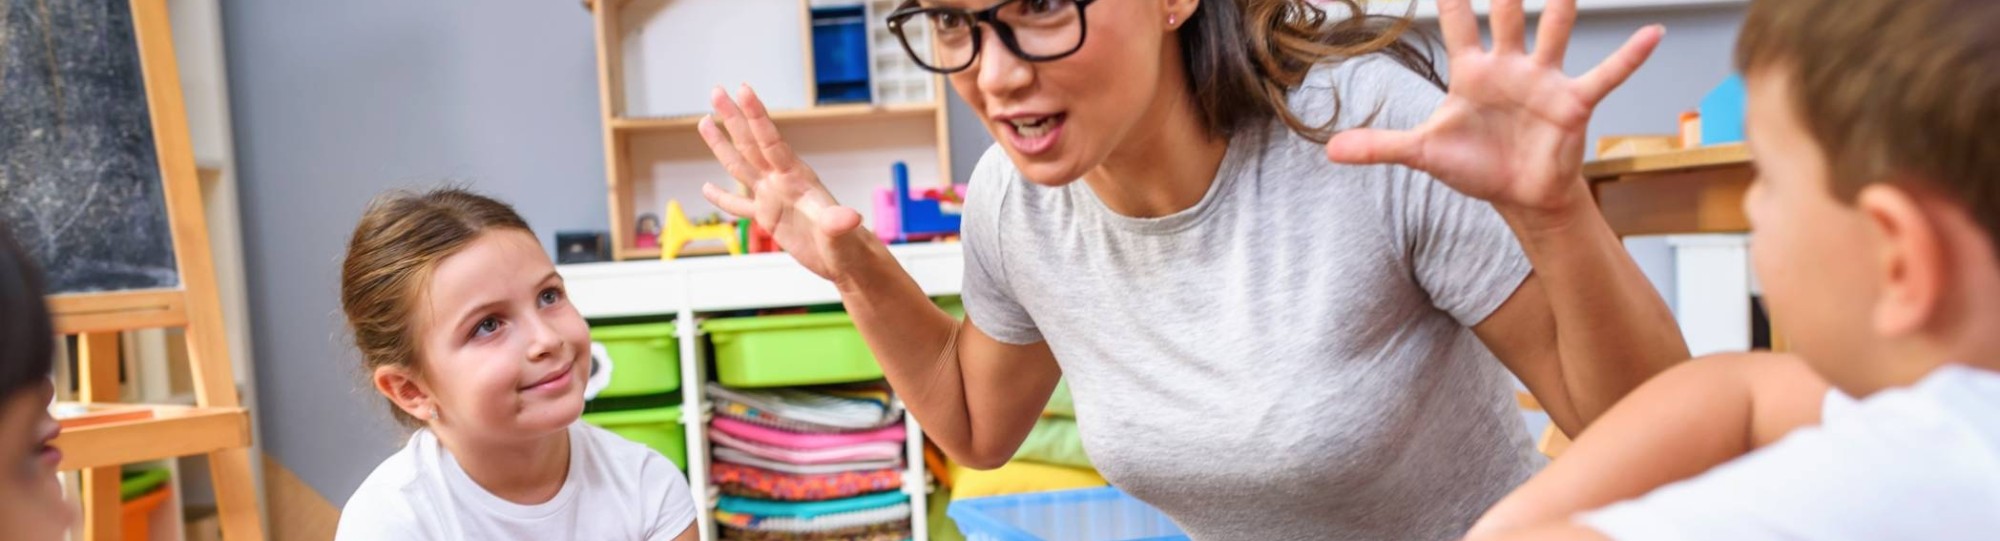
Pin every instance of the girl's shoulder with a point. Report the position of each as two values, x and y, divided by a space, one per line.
381 508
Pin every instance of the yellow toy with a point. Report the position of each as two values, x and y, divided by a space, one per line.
680 231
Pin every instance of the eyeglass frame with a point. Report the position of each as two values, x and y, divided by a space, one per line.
989 16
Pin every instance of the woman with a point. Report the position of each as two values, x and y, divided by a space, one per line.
1261 342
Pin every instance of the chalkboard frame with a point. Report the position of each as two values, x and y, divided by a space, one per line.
218 425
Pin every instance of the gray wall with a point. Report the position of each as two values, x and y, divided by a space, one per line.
335 102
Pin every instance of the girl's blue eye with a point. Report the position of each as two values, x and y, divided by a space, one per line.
550 296
485 327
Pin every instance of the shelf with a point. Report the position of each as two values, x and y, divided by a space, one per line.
1679 160
122 434
857 111
707 284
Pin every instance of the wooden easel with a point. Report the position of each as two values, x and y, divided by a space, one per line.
217 425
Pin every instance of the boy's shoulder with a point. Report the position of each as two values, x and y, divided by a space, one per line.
1933 448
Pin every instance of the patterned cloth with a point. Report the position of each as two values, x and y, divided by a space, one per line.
886 531
824 523
851 453
800 440
836 409
725 454
746 481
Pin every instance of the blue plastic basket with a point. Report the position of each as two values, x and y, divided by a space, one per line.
1096 514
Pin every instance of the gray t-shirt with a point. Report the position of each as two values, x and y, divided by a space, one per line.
1290 358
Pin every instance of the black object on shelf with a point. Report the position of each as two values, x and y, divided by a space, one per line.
581 247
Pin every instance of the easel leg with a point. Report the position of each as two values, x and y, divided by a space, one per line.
235 494
101 513
97 356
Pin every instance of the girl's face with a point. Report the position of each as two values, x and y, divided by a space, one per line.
504 354
31 504
1059 119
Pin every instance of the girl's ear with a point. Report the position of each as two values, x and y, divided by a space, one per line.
409 393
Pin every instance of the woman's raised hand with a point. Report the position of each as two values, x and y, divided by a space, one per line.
1511 129
784 195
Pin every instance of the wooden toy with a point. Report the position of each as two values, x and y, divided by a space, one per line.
680 231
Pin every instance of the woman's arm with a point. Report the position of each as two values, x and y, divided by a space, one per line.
1693 417
1587 327
975 396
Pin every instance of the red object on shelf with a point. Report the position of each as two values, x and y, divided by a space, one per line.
761 240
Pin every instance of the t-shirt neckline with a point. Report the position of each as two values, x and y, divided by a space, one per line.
1235 158
463 484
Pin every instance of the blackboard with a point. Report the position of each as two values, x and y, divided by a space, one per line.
79 180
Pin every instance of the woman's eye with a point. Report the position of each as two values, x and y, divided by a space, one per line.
551 296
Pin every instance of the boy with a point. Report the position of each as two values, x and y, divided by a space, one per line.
1876 223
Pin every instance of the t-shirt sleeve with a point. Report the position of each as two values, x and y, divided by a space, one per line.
672 503
1876 472
1460 251
988 292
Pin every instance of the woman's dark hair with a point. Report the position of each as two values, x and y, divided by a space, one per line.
1244 57
27 338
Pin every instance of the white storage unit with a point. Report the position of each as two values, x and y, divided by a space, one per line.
689 289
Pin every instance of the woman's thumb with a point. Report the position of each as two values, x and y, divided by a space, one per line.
835 220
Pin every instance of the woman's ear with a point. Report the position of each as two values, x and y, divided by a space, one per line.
1912 266
1178 12
406 391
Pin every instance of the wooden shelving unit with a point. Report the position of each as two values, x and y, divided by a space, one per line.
649 160
829 113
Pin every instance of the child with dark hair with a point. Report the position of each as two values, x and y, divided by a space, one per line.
31 504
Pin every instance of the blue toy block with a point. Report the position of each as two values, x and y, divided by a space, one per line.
921 216
1722 113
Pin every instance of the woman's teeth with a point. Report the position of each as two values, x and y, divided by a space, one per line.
1032 127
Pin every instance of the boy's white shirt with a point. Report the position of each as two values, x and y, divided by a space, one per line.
615 489
1921 462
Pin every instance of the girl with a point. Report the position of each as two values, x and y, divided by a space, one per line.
31 504
462 321
1266 338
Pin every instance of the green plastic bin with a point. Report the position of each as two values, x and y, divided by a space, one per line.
645 358
791 350
658 428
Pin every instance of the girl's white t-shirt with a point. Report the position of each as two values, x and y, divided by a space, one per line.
616 489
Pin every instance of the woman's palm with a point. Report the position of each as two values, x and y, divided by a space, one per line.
1511 130
785 195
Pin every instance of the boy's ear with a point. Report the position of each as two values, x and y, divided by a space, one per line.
404 389
1911 262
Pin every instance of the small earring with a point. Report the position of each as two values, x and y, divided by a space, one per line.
1170 21
431 414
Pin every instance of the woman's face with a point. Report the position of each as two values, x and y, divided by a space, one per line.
1061 118
31 504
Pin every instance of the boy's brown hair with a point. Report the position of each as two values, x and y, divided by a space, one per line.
400 240
1891 89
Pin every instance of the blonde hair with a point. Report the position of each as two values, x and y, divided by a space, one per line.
400 240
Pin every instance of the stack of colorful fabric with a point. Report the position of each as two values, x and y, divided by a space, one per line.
809 464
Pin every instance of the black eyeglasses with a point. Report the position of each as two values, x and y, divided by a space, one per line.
947 40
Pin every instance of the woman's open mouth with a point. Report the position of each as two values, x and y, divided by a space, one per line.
1031 135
